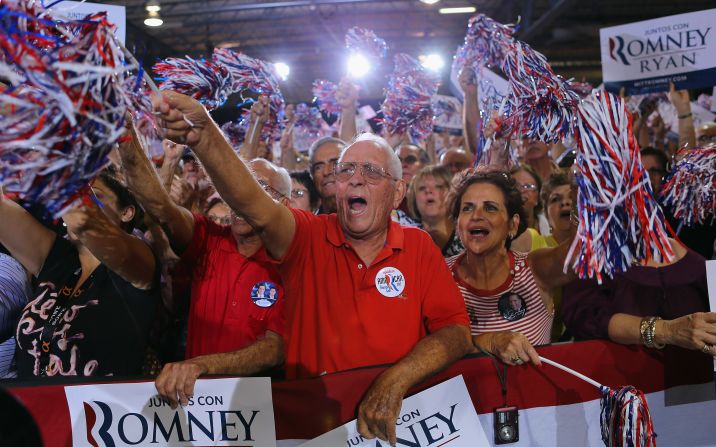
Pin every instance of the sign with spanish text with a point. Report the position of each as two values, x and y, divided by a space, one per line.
646 56
222 412
442 415
116 14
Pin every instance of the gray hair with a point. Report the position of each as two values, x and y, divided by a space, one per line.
320 142
282 179
395 167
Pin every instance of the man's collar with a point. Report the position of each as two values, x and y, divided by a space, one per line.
394 240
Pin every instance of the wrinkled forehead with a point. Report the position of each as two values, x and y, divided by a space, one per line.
365 152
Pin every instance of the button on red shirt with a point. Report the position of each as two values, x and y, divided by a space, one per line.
338 318
223 316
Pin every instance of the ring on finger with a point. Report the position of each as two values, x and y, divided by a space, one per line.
516 360
706 349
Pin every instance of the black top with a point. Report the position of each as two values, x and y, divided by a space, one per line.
101 330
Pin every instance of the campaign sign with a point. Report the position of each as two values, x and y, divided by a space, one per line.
645 56
222 412
441 415
116 15
447 112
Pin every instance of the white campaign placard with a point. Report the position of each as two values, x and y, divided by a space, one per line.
447 111
441 415
645 56
222 412
711 282
116 14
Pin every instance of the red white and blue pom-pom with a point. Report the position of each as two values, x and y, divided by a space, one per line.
235 132
690 189
205 81
66 100
625 420
407 106
257 76
486 43
620 222
365 42
324 95
542 106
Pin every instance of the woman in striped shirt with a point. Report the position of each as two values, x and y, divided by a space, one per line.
507 293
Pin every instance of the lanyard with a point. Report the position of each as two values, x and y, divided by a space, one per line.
502 376
62 305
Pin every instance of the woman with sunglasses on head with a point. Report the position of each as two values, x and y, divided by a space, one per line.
97 290
507 292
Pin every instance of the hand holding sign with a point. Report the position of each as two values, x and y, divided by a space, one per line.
380 408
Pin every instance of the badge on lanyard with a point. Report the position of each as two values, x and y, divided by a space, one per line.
512 306
264 294
390 282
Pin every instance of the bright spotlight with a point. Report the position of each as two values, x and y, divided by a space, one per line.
282 70
358 65
432 62
429 2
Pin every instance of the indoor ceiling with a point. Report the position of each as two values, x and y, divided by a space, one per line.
309 35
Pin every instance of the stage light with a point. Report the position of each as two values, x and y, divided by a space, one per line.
432 62
153 19
152 7
429 2
282 69
460 10
358 65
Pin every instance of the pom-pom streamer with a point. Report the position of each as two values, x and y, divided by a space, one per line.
690 190
407 106
620 222
364 41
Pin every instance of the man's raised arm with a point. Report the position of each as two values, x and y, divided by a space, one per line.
187 122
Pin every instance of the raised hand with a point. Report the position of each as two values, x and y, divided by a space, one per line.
183 119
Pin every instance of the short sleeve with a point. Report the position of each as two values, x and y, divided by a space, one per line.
443 304
197 246
305 223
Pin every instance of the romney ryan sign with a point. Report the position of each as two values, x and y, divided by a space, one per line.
646 56
228 412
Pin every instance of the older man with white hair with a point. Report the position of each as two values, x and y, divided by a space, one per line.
363 290
232 329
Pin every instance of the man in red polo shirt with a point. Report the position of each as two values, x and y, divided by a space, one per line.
364 290
236 315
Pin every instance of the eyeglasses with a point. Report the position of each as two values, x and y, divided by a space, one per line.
703 139
527 186
409 160
226 220
271 191
372 173
298 193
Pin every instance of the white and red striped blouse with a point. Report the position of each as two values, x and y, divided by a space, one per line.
516 305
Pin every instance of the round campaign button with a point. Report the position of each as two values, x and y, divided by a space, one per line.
512 306
390 282
264 294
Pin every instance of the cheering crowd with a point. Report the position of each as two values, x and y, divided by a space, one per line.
369 249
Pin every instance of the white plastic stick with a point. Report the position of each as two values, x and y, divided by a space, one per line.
571 371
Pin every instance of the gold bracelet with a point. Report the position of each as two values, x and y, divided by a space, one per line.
648 329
